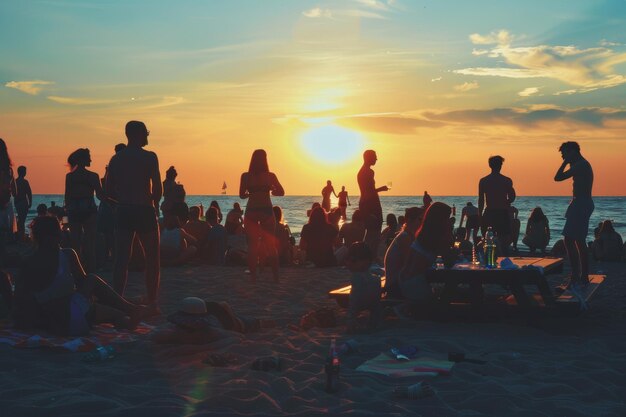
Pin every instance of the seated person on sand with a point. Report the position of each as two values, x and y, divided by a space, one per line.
284 240
200 322
433 238
234 220
388 234
398 251
177 246
608 245
349 233
216 205
365 290
54 293
317 238
197 228
537 231
313 206
215 249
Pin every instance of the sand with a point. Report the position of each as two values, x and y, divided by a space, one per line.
549 367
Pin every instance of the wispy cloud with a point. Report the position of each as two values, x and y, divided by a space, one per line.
466 86
529 91
79 101
433 80
587 69
317 12
29 87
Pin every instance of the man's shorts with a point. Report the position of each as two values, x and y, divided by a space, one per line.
499 220
577 218
135 218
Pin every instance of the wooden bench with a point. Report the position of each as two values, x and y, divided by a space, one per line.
568 298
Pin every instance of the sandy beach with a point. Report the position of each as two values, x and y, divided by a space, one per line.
552 367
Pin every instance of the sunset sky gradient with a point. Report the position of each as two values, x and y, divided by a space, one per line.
435 87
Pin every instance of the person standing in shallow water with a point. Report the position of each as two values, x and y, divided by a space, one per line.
134 185
326 192
579 210
369 202
259 222
343 201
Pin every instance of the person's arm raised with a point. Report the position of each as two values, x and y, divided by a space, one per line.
562 174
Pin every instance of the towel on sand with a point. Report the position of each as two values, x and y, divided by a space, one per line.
102 334
423 366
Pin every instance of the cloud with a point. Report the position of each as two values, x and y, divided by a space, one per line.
479 52
392 123
588 69
466 86
529 91
29 87
317 12
79 101
376 4
502 37
606 43
433 80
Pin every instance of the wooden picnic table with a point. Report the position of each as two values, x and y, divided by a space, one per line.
513 279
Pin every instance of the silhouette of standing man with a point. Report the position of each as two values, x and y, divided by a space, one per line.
579 210
369 202
497 193
133 183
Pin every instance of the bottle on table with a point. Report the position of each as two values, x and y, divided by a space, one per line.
332 368
490 249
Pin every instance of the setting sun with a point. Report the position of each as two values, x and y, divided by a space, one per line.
332 144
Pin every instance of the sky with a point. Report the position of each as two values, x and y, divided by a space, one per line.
434 86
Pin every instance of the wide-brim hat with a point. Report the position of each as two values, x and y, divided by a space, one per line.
191 314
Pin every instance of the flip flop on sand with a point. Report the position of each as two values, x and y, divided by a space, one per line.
414 392
218 360
267 363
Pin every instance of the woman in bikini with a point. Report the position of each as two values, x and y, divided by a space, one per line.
259 223
80 186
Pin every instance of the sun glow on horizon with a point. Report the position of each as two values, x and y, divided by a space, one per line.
332 144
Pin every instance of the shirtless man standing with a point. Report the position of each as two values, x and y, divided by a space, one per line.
369 203
470 212
579 210
498 193
344 201
133 183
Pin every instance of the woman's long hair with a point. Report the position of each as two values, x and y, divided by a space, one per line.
607 227
435 232
5 160
258 162
537 215
78 158
318 217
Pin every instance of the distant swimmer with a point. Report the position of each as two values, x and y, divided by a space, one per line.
326 192
495 196
344 201
579 210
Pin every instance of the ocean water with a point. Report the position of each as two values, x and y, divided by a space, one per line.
295 207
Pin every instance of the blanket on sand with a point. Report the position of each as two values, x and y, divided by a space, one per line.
422 366
101 335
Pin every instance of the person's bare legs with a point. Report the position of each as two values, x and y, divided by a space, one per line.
574 258
76 234
88 244
111 307
583 254
122 250
151 243
268 239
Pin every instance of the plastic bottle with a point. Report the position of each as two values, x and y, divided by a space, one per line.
102 353
439 263
490 249
332 369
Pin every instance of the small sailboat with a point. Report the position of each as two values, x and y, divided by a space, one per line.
224 188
